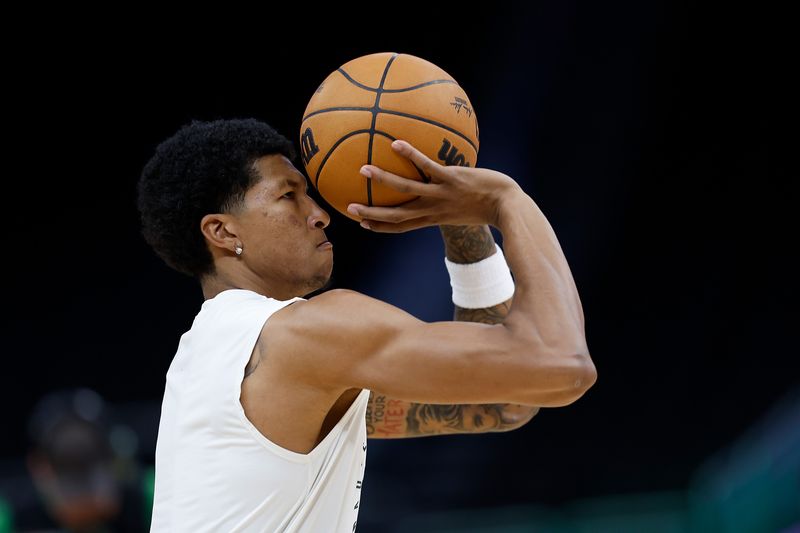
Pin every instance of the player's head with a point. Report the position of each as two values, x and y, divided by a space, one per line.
214 186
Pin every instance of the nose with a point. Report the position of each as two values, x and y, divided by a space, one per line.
319 218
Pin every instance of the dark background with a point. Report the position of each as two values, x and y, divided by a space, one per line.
655 136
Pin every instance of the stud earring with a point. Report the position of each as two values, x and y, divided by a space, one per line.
238 249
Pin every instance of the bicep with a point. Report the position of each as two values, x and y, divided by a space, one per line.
342 339
443 362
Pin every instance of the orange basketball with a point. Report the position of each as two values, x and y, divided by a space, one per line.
361 107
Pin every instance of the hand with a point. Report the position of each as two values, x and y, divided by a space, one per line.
457 196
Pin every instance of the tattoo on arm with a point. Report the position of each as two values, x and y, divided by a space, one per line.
467 244
488 315
390 418
470 244
385 416
428 419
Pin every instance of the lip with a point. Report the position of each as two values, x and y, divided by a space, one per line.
325 245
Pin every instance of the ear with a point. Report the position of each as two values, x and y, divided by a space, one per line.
220 230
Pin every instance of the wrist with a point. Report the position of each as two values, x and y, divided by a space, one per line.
504 201
482 284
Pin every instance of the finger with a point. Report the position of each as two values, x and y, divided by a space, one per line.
400 227
423 162
394 214
399 183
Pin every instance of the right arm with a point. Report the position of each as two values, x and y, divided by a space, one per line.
538 355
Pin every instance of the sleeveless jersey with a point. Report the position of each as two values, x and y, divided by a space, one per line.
214 471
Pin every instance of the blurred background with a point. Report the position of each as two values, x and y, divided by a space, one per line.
655 136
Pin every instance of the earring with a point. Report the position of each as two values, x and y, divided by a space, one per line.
238 249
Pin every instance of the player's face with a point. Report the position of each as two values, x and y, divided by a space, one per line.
283 228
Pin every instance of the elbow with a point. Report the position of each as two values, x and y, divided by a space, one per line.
580 367
583 375
578 376
587 374
559 376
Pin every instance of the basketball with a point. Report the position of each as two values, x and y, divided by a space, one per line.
364 105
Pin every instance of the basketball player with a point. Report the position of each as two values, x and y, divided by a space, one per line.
270 397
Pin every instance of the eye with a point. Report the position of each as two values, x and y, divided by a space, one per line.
290 192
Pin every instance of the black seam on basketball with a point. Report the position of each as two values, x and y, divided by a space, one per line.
421 174
349 78
387 135
368 108
329 152
429 121
391 112
354 82
406 89
328 109
423 177
375 111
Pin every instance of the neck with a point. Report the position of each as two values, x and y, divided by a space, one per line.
212 286
216 283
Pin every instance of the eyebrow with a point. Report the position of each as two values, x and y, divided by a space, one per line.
293 183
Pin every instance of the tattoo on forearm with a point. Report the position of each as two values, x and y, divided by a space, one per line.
467 244
487 315
423 418
388 418
429 419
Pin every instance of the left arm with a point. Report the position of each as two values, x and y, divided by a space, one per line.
389 418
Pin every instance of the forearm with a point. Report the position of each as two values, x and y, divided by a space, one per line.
390 418
470 244
467 244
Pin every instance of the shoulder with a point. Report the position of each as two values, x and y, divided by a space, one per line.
333 306
297 327
292 338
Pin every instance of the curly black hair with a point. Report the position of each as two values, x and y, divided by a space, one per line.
206 167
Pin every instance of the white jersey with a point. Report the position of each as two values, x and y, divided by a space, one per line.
214 470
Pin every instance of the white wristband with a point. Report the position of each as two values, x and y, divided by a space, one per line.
483 284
